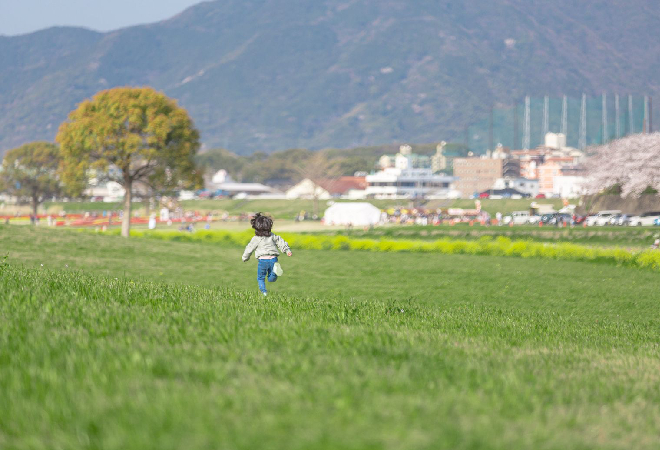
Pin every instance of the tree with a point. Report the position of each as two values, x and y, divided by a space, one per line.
129 135
30 172
631 164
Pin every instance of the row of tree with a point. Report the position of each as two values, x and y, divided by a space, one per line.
126 135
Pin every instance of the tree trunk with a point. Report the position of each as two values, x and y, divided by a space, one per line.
147 205
126 220
35 206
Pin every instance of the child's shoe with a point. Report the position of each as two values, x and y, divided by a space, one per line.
278 269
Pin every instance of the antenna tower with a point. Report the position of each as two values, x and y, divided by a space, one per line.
526 135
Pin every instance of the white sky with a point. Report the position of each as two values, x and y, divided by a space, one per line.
26 16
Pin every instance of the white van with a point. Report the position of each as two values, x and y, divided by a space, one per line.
517 218
602 218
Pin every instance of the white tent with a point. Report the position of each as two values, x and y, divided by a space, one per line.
356 214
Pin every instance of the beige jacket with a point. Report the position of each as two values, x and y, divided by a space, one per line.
265 246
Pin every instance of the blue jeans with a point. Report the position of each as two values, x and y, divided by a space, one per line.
265 270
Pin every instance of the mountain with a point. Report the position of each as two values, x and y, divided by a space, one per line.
274 74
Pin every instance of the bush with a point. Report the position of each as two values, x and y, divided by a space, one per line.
501 246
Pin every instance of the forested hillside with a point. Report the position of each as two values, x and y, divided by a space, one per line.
262 75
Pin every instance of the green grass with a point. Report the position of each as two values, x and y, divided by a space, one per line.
148 344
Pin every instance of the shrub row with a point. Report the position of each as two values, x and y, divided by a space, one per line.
500 246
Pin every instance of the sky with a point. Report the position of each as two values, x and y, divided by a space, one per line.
26 16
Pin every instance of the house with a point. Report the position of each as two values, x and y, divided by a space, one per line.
522 185
324 189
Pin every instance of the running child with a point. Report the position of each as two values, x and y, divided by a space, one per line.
266 247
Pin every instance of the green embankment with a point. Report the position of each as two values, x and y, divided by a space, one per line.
351 349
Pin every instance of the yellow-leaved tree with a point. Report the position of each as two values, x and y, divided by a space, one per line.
30 172
129 135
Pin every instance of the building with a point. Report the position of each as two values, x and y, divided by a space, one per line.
324 189
404 160
439 160
475 175
553 148
522 185
232 189
559 177
399 183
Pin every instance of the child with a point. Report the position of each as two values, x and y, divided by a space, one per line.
266 246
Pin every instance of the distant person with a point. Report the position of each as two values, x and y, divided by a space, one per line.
266 247
656 245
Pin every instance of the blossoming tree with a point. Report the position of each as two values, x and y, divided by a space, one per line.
631 163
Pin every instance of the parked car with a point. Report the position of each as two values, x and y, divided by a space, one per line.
517 218
614 219
601 218
553 218
534 219
645 220
540 196
484 195
624 220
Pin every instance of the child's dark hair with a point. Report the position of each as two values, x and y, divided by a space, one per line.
261 224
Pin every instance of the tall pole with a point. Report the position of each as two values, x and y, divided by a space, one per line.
526 135
631 121
650 114
491 145
546 116
564 116
617 116
583 123
646 114
515 127
605 137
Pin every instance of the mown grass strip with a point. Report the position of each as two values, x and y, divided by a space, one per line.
501 246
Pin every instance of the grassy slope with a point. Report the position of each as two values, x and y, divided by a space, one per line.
352 351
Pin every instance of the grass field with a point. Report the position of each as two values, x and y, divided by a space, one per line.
116 344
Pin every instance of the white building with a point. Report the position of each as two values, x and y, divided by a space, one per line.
232 189
398 183
522 185
309 190
110 191
569 186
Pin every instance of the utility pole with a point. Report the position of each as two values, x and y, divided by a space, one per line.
490 131
526 136
631 121
515 127
650 114
583 123
605 137
564 116
546 116
646 114
617 117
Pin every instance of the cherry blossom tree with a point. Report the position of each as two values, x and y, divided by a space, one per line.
631 163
